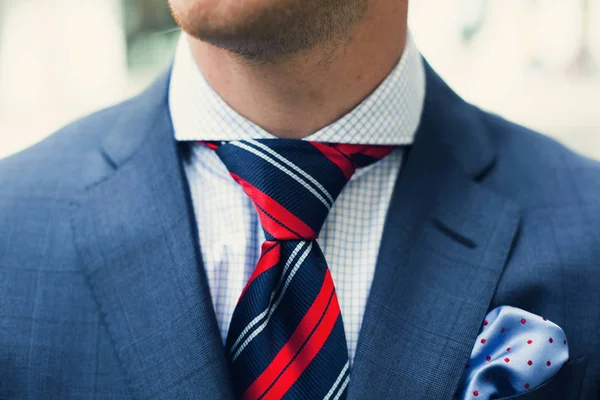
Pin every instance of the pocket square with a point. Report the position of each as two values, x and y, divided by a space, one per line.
515 352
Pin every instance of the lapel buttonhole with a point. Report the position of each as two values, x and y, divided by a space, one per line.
457 237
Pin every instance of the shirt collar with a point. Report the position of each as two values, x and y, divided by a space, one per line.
389 115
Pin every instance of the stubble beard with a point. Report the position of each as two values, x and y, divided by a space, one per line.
275 31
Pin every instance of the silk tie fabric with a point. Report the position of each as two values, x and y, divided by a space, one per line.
515 352
286 338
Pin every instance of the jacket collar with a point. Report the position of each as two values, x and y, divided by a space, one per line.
445 244
137 238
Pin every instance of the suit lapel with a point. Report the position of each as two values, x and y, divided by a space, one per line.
446 241
136 235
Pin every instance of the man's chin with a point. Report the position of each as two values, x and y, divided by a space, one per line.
211 18
266 29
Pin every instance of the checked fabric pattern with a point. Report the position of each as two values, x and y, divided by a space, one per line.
286 337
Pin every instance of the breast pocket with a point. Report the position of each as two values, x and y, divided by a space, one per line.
565 385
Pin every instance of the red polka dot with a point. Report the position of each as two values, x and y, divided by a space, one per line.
508 349
483 341
527 386
502 330
467 366
550 340
529 362
529 341
488 358
507 359
548 363
476 393
544 319
523 321
485 323
508 378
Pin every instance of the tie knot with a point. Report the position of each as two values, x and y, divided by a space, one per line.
293 183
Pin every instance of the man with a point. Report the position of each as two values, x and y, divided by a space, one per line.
167 248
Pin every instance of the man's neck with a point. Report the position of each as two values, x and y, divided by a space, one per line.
298 96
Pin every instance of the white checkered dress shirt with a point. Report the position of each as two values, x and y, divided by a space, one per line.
229 230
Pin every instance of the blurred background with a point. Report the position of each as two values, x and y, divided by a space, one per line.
536 62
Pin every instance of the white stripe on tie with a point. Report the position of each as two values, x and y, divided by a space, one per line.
294 166
283 169
337 382
260 316
339 394
272 308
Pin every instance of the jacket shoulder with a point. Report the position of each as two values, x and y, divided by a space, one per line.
54 166
538 171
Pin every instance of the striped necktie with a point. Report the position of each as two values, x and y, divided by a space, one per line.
286 338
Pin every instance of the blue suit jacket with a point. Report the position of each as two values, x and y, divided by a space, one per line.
103 293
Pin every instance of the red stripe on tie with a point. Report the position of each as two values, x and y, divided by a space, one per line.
350 149
378 151
210 145
274 227
307 354
286 225
294 344
269 258
336 157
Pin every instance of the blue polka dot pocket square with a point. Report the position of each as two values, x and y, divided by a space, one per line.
517 352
